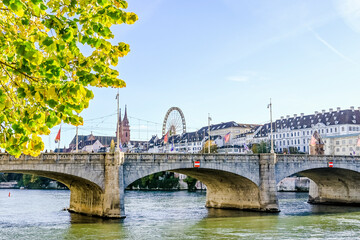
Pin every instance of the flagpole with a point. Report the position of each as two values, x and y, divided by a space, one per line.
77 140
59 139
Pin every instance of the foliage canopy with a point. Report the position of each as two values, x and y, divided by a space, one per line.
44 76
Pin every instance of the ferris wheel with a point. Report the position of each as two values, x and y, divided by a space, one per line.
174 122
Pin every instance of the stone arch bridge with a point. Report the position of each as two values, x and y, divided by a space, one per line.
97 181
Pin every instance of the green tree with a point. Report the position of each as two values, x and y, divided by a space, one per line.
160 180
191 182
205 149
263 147
44 76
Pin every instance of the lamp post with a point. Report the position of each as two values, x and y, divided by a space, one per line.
209 119
271 130
117 125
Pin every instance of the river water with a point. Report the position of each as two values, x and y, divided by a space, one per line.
39 214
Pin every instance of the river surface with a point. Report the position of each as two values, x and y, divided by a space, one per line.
39 214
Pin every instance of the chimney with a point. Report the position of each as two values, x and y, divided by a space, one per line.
331 110
359 108
316 113
323 111
352 108
301 114
282 117
295 115
338 109
287 116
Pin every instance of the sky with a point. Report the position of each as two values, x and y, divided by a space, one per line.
228 58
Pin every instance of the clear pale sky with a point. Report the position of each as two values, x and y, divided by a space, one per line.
228 58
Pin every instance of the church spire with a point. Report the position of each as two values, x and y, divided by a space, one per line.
125 116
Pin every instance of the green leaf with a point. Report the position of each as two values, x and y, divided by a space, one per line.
48 41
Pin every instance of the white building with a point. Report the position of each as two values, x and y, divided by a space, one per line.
296 131
342 145
193 142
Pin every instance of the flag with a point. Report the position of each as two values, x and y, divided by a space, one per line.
120 146
227 137
166 137
358 142
246 147
172 147
313 141
57 139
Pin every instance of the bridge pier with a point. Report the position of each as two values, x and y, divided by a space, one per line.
90 199
268 192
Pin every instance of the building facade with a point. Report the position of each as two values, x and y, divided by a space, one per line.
342 145
295 132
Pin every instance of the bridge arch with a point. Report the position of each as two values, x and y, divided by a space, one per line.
91 178
224 189
329 185
232 181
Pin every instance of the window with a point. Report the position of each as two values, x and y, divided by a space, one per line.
337 149
337 142
343 129
331 130
343 142
343 149
327 130
350 141
350 129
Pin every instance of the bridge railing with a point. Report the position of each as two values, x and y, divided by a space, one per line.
52 158
307 157
176 157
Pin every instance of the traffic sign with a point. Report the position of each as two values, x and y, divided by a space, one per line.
331 164
197 164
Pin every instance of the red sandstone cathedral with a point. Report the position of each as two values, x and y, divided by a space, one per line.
124 128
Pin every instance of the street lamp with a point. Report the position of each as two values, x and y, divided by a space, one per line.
271 131
209 119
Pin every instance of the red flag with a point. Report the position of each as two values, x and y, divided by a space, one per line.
57 139
166 137
227 137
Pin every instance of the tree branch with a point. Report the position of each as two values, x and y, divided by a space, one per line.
14 68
